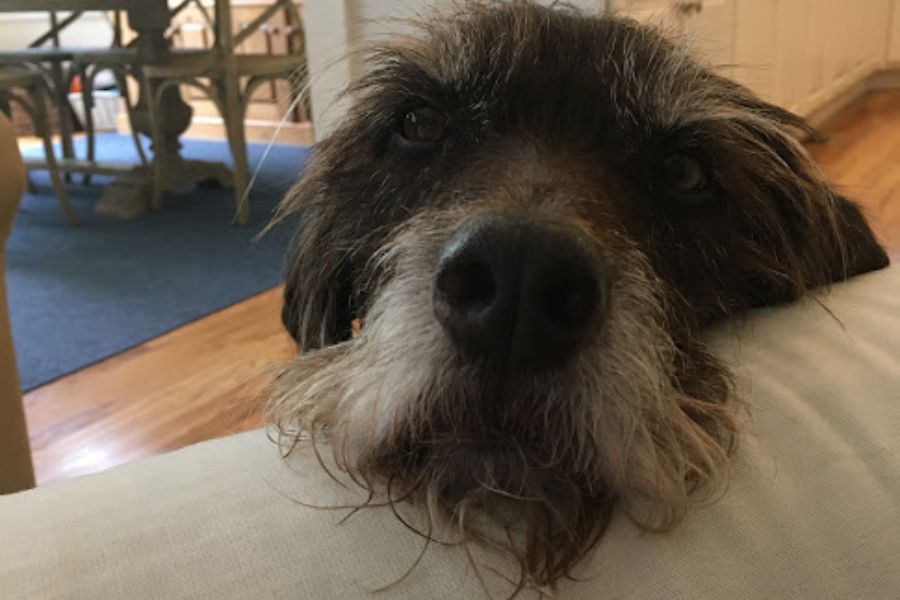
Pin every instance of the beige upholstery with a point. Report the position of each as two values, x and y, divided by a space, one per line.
812 510
15 459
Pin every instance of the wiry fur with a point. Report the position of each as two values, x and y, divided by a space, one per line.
562 116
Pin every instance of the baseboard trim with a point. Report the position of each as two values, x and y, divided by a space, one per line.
254 130
882 78
885 79
203 127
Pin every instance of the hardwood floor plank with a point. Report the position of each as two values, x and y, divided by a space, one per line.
861 159
201 381
197 382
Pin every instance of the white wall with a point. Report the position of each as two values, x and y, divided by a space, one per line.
754 42
802 54
805 55
328 40
18 30
894 51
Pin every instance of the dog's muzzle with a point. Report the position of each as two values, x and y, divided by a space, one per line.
513 288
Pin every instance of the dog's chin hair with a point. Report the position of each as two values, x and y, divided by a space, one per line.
612 427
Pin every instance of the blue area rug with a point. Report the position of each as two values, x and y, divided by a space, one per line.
80 294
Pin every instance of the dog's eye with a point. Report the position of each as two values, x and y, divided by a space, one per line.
424 125
682 174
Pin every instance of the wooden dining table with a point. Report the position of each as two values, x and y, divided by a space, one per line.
129 194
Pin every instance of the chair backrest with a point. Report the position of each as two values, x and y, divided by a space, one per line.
220 23
56 26
224 37
228 41
209 21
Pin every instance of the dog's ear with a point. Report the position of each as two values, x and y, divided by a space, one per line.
801 234
830 238
856 249
318 285
323 325
823 238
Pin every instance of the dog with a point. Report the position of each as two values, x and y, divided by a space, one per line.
532 212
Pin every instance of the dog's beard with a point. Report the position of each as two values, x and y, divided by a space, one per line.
406 415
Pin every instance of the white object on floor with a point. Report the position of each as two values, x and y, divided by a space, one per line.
107 107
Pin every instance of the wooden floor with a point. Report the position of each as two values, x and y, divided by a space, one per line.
862 159
195 383
201 381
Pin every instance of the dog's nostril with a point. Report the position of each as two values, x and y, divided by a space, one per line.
568 294
568 308
467 285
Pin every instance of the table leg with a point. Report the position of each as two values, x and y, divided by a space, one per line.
130 196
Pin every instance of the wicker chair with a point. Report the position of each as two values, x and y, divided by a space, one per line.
29 90
52 62
60 65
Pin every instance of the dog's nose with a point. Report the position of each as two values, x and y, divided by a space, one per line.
518 289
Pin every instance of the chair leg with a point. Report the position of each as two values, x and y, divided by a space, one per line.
59 79
122 82
87 97
42 128
233 116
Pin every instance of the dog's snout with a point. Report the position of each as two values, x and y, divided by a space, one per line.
518 289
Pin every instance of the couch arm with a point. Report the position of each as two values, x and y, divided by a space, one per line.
810 511
15 458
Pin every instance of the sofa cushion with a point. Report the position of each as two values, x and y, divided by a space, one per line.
812 509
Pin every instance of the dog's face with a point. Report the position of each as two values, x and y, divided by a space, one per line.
532 212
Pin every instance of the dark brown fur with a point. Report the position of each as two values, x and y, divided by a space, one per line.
568 117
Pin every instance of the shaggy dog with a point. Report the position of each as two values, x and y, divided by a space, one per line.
533 212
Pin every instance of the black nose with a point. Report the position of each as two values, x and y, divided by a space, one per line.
513 288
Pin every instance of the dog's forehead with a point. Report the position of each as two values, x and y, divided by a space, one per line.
515 54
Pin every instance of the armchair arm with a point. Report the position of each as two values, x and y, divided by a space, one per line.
15 457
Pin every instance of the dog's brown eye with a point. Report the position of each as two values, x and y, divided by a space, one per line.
424 125
683 174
